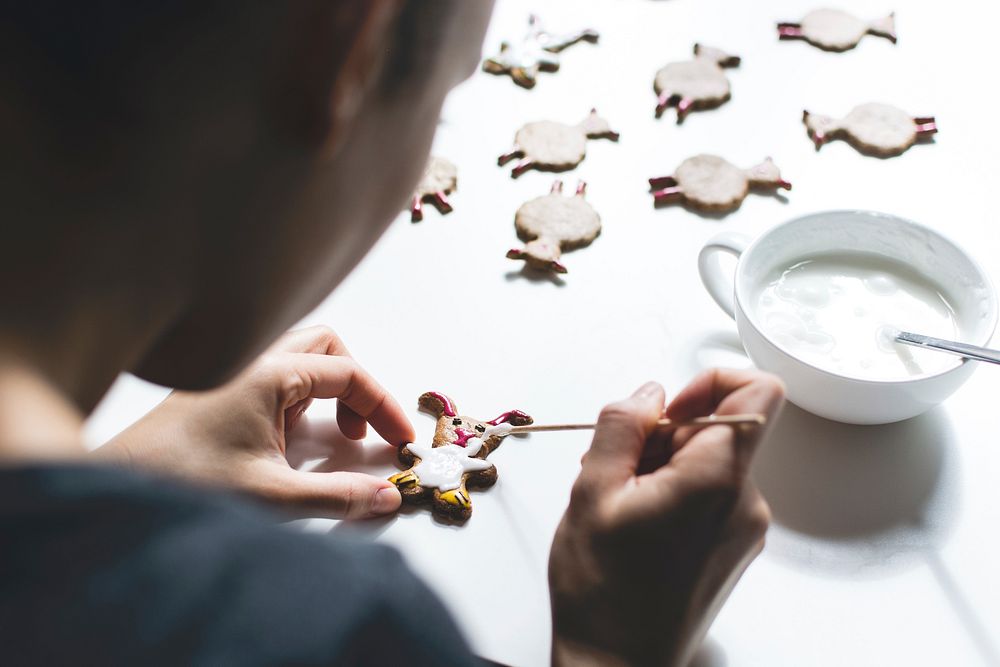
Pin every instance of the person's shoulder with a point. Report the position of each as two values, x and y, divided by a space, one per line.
209 577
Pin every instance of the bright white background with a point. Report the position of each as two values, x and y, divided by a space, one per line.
885 544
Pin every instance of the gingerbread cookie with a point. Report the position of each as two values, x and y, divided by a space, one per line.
443 471
550 146
873 129
439 180
709 183
694 84
553 223
834 30
537 52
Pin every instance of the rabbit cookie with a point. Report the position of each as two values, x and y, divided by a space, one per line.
551 146
439 180
443 471
709 183
537 52
699 83
834 30
873 129
553 223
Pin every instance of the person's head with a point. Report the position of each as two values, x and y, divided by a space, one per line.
210 170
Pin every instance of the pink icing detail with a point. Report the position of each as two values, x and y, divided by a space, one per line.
505 417
463 437
449 409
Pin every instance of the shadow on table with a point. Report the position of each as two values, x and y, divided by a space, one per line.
866 500
534 276
857 498
722 215
319 446
847 499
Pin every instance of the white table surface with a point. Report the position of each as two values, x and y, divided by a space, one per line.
885 539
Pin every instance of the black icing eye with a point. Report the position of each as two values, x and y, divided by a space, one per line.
456 422
480 428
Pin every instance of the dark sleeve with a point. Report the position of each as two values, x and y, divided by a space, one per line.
315 600
106 568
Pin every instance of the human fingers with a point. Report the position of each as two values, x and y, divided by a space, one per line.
293 414
657 451
721 455
322 339
335 495
621 433
323 376
351 424
701 396
711 466
718 391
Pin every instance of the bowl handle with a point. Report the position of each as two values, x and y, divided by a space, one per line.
720 286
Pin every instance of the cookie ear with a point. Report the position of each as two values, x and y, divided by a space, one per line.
884 27
596 127
512 417
437 404
819 127
720 57
767 174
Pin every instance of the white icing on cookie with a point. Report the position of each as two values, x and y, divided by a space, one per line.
527 54
536 52
501 430
443 467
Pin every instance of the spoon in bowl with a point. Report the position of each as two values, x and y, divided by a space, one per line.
952 347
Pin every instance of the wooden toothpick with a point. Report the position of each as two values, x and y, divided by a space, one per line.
752 419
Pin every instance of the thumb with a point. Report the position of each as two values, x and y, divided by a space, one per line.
620 436
336 495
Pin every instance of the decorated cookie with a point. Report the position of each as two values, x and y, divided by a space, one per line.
553 223
874 129
551 146
709 183
834 30
699 83
439 180
443 471
537 52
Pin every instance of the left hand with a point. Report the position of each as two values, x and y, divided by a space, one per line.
235 436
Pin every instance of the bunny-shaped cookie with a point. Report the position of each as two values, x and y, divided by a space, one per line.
443 471
537 52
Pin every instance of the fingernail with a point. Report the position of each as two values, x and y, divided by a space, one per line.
647 390
386 500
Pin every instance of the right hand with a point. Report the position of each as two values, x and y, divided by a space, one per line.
660 526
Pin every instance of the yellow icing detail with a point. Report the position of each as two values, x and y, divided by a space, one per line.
405 478
459 497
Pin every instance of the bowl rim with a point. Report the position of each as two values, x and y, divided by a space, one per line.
870 215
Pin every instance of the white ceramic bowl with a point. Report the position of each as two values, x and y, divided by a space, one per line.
847 399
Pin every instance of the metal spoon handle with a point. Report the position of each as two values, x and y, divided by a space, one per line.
961 349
